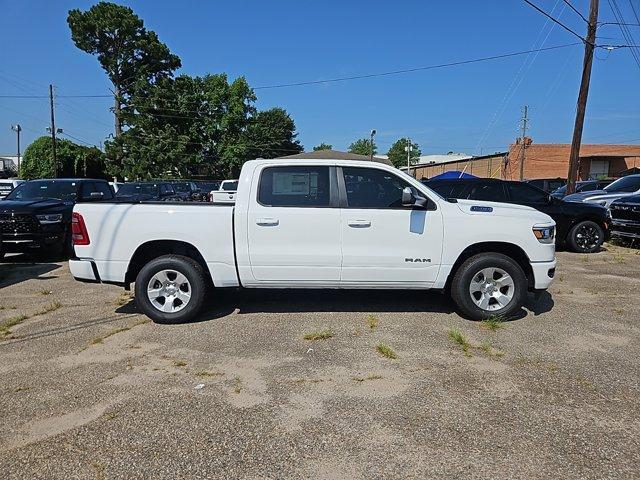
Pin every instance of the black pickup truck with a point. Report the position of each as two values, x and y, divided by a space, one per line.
625 218
582 227
36 216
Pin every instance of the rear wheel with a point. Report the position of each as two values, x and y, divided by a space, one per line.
171 289
585 237
489 284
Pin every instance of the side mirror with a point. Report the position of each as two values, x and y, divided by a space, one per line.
411 200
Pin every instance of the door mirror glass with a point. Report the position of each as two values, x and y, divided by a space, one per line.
407 197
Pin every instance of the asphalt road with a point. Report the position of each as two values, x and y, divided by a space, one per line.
90 389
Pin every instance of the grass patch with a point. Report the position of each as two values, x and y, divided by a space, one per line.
45 291
237 384
6 325
179 363
101 339
321 335
111 415
493 323
372 321
386 351
368 377
208 374
52 307
458 338
124 298
618 311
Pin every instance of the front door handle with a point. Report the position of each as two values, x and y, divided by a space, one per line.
359 223
267 222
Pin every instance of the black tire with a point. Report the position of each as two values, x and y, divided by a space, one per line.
197 283
585 237
461 283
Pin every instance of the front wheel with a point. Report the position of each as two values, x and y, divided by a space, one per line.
586 237
171 289
489 284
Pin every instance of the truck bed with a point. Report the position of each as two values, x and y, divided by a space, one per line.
118 230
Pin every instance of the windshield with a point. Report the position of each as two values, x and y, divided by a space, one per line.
624 184
230 186
42 189
138 189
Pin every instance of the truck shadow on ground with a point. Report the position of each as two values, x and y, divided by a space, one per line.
19 268
224 303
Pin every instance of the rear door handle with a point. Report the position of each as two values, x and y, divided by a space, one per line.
359 223
267 222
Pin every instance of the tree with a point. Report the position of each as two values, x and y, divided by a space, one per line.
270 134
323 146
131 55
73 160
398 155
363 147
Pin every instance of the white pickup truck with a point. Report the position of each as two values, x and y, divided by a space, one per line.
317 224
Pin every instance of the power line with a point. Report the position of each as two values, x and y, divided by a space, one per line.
554 20
617 13
568 3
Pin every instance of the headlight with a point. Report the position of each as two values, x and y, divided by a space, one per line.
544 234
49 218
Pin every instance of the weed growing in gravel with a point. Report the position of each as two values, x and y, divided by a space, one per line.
208 374
493 323
372 321
52 307
111 415
321 335
237 384
460 339
45 291
386 351
98 340
5 326
368 377
618 311
179 363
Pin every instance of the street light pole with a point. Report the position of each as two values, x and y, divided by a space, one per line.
373 132
17 128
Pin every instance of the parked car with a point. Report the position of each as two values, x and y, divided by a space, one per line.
318 224
581 227
622 187
208 185
547 184
189 191
148 192
36 216
582 186
625 217
7 185
226 193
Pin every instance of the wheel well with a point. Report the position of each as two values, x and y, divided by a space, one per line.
157 248
509 249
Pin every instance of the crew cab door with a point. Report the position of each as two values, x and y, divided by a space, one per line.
294 227
383 242
524 194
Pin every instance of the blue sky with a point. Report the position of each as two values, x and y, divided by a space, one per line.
472 108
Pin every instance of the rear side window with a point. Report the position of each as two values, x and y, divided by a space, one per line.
293 186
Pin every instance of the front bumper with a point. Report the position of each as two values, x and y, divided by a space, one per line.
625 228
25 242
543 273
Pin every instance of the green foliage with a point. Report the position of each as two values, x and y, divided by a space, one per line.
398 155
363 147
323 146
73 160
271 134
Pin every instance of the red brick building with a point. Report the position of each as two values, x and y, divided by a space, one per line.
551 160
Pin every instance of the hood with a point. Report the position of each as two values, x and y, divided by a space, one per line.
596 195
34 206
475 207
630 200
581 196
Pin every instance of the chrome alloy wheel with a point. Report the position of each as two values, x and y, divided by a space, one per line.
491 289
169 291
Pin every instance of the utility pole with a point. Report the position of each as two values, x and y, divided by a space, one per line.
373 132
408 150
589 47
53 132
523 139
17 128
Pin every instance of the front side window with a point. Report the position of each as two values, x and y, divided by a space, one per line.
373 188
523 193
294 186
624 184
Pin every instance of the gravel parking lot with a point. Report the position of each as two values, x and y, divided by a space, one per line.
89 388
